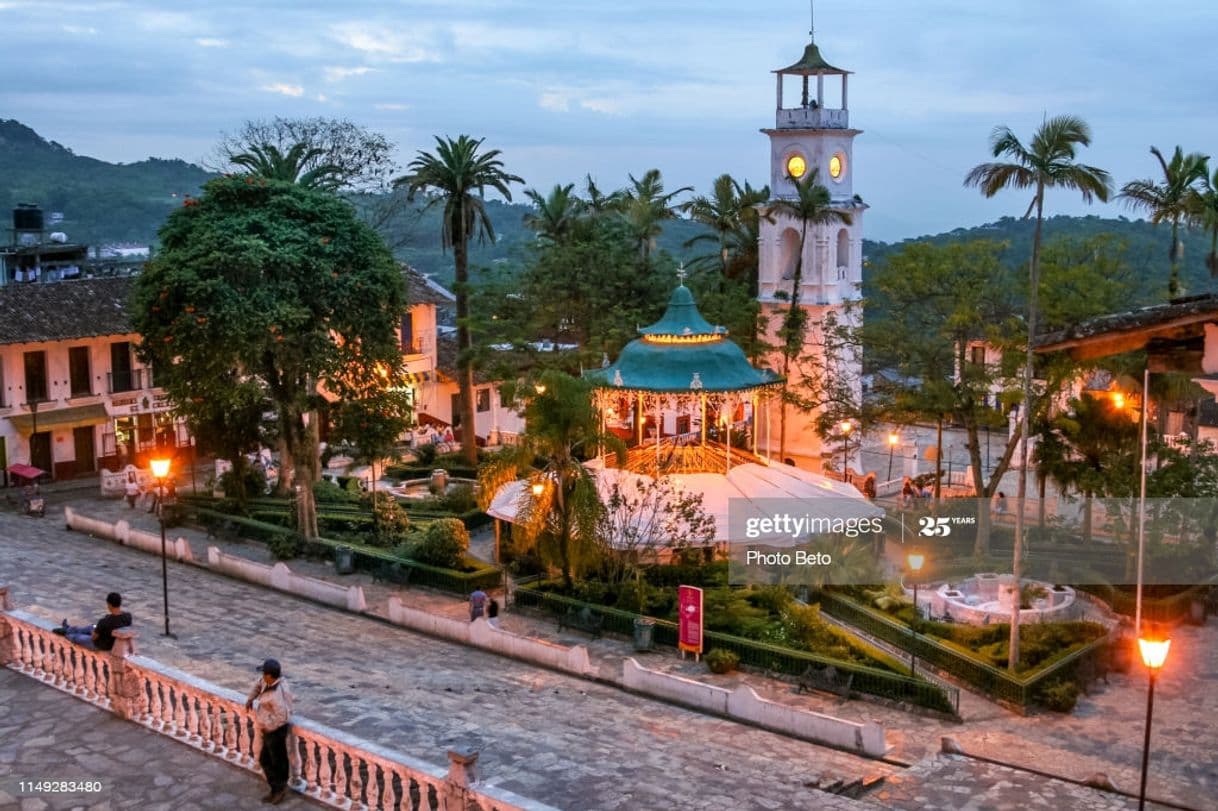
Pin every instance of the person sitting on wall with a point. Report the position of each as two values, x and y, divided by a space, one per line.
101 635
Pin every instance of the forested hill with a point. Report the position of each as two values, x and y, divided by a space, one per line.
1146 248
100 201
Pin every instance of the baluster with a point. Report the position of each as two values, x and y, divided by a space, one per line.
180 729
372 788
36 643
387 795
55 662
88 663
215 729
308 766
154 715
191 733
143 712
255 742
325 784
341 788
232 721
243 731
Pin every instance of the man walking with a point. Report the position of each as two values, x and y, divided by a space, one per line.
271 701
477 604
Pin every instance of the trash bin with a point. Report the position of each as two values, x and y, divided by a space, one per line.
644 633
344 560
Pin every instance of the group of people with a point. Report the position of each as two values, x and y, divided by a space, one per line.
270 699
480 604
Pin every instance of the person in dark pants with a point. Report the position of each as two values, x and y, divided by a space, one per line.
271 701
99 636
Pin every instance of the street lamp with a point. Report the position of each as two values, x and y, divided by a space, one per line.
1154 654
160 470
846 427
893 439
915 561
538 489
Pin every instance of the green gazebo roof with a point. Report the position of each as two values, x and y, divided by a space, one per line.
682 318
811 63
682 353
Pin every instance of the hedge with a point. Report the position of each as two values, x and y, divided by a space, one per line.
996 682
380 563
870 680
473 519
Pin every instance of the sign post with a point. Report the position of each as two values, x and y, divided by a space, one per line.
689 622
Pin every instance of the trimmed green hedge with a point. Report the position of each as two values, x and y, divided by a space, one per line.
1169 610
791 662
1022 690
378 562
422 511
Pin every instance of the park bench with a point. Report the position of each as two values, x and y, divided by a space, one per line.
826 678
582 619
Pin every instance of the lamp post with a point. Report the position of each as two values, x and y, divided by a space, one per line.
893 439
1154 654
160 470
846 427
915 561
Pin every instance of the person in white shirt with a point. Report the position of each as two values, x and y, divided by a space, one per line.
271 701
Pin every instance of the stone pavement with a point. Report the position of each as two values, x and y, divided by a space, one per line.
554 738
1103 735
48 735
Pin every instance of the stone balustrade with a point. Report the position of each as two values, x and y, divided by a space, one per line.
122 532
331 766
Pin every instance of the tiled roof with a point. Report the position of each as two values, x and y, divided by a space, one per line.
64 311
422 290
446 359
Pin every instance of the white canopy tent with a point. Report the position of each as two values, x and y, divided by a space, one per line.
745 488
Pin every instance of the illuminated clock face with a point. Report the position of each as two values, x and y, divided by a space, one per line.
837 166
796 166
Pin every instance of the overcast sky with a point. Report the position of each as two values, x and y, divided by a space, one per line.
569 88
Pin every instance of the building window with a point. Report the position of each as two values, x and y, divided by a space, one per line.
35 377
978 353
78 371
121 378
484 400
407 329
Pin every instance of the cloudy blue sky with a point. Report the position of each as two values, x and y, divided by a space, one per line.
568 88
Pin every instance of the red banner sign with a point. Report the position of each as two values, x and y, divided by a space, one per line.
689 613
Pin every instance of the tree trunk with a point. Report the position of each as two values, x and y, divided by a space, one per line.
1025 418
1087 507
287 470
465 369
981 543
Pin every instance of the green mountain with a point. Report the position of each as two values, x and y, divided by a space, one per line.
100 202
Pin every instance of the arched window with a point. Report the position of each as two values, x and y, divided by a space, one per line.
843 253
789 258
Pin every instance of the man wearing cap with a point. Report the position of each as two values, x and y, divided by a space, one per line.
271 701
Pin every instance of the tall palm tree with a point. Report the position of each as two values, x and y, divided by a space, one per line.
598 202
727 212
557 213
645 206
1048 162
1175 200
1207 217
457 175
298 165
812 206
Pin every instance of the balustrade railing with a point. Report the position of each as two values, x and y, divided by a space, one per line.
328 765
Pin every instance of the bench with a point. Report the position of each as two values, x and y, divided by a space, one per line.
826 678
582 619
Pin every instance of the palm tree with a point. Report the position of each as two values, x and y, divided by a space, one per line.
298 165
644 206
1048 162
457 175
557 213
598 202
1175 200
1207 217
728 212
561 510
812 206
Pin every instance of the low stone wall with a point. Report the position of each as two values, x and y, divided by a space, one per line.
281 578
122 532
481 635
214 721
744 704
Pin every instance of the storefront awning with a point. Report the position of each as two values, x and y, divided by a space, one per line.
61 418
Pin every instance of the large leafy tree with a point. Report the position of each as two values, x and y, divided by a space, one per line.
276 286
457 176
1048 161
561 510
295 165
1176 199
812 206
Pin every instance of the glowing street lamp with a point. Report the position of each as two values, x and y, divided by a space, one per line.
893 439
845 427
160 471
538 489
915 561
1118 401
1154 654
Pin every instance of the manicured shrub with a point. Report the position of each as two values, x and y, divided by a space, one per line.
721 660
444 544
1059 696
326 492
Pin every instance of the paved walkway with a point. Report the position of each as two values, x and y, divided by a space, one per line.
47 735
1103 735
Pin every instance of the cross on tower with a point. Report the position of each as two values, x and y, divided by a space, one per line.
681 274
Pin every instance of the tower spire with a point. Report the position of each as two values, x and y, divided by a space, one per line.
812 21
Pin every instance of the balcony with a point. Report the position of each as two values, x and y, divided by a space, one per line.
418 345
812 118
133 380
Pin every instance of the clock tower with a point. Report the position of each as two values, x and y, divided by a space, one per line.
812 135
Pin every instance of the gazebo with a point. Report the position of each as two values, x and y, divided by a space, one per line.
676 393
